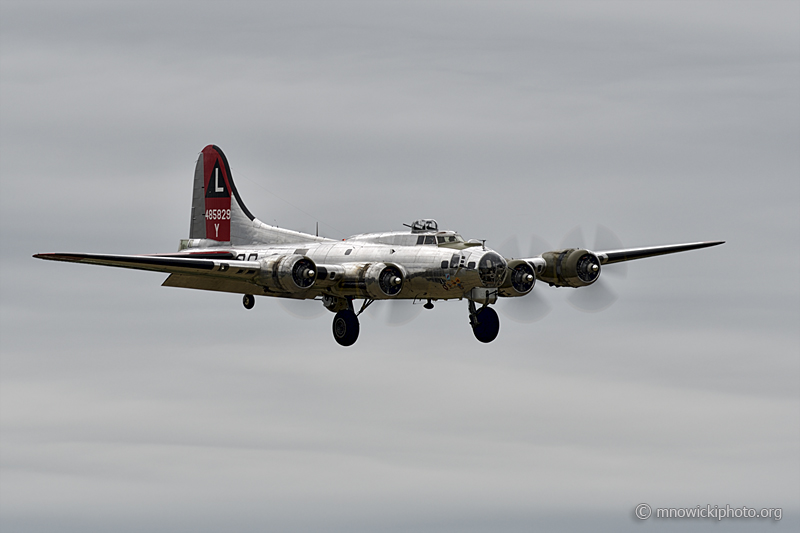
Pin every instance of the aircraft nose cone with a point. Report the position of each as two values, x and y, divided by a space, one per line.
492 269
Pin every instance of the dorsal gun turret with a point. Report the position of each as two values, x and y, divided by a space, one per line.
424 225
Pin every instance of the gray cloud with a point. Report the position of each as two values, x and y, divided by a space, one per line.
128 406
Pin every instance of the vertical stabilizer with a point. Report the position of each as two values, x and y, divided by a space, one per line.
218 213
215 200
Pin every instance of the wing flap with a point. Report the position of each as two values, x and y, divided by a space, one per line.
211 283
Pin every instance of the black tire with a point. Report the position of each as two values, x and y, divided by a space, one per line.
488 324
345 327
248 300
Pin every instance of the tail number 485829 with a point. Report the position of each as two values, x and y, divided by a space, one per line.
218 214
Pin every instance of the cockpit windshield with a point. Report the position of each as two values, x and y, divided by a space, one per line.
449 239
445 240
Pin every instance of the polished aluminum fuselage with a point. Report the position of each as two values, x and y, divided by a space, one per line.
430 271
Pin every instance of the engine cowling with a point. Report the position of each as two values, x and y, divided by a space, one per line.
287 273
520 279
377 281
573 267
383 280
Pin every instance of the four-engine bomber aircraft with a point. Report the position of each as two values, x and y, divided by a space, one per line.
230 250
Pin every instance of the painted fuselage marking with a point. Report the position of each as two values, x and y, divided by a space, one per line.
217 188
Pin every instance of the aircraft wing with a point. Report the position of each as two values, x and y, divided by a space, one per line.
217 264
629 254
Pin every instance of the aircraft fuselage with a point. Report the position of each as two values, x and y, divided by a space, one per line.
429 272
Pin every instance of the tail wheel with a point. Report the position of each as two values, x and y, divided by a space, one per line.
248 300
487 326
345 327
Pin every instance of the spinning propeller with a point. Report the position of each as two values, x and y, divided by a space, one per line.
596 297
599 295
305 309
395 312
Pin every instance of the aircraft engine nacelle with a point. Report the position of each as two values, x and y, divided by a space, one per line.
520 279
382 280
570 268
329 275
377 281
288 273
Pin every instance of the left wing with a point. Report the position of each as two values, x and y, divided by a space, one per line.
629 254
577 267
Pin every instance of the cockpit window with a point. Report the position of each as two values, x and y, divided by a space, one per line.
454 260
430 239
452 240
492 270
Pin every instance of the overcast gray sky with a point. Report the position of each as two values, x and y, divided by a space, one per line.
126 406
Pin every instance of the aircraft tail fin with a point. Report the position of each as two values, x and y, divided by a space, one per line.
216 204
218 212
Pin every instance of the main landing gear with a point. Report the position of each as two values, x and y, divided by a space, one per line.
484 321
345 323
346 327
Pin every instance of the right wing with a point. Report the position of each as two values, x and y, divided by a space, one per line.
201 264
211 271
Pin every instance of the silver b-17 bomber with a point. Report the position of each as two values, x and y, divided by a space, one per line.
230 250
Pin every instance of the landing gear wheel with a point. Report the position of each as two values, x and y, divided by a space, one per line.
248 300
488 325
345 327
